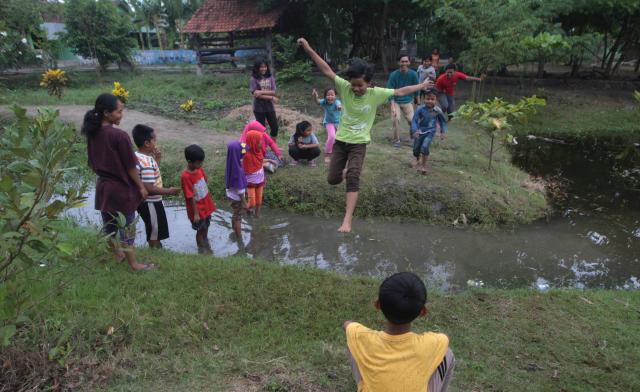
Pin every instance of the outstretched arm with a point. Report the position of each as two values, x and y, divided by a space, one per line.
407 90
322 65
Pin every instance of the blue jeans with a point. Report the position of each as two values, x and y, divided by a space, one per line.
422 143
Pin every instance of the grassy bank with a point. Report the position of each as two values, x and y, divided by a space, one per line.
589 113
201 323
458 184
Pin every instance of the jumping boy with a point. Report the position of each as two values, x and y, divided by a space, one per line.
423 128
151 210
359 104
397 359
197 197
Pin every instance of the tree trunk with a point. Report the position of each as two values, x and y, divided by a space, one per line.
159 36
141 40
383 23
637 67
615 48
541 62
604 52
149 43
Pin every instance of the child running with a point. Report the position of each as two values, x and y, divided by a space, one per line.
152 209
397 359
423 128
360 102
332 112
236 183
303 144
199 203
426 70
253 170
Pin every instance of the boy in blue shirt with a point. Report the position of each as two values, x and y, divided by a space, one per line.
423 128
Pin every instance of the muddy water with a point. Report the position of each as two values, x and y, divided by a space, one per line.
577 249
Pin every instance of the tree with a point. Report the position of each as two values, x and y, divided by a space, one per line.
19 20
98 30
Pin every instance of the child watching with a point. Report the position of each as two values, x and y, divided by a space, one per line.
118 187
303 144
236 183
198 200
263 88
423 127
151 210
426 70
397 359
254 171
332 111
360 102
273 157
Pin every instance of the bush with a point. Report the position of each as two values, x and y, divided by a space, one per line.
290 67
34 168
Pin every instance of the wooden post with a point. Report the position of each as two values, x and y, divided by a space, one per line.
196 45
232 46
269 46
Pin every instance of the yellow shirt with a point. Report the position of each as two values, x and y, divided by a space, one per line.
395 362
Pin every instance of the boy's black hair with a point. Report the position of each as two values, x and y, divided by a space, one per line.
141 133
255 72
450 66
402 296
429 91
194 153
425 58
359 68
403 54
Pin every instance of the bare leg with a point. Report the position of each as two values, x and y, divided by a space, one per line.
351 201
114 245
130 255
423 163
155 244
236 224
257 211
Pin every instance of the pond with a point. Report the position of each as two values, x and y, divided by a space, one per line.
593 240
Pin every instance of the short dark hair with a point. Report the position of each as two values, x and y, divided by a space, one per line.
402 296
141 133
429 91
450 66
401 55
359 68
194 153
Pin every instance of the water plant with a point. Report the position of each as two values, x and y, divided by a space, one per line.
54 80
495 116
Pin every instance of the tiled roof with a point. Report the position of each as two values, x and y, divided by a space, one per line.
223 16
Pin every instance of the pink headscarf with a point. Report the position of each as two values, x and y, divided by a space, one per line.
267 141
252 126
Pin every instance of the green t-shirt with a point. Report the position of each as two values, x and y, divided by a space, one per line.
358 113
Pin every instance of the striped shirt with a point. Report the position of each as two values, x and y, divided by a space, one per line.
149 173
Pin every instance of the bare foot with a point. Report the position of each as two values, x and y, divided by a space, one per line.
327 160
345 228
414 164
143 267
423 170
120 256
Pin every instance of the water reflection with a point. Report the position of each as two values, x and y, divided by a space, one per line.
562 252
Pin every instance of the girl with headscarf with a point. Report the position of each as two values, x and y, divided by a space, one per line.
270 157
236 184
253 170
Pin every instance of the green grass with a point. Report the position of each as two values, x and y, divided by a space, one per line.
201 323
459 182
585 114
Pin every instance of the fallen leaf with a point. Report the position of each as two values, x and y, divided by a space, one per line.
586 300
110 330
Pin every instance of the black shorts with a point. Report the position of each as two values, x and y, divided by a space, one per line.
155 220
202 224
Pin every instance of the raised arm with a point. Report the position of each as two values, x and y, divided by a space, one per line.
407 90
314 94
322 65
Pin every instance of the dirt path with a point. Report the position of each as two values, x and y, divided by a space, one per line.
170 129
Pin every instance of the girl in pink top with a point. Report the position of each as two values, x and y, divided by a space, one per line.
273 157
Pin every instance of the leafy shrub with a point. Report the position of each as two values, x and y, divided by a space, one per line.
290 67
34 167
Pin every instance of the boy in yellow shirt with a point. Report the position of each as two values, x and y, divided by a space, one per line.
397 359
